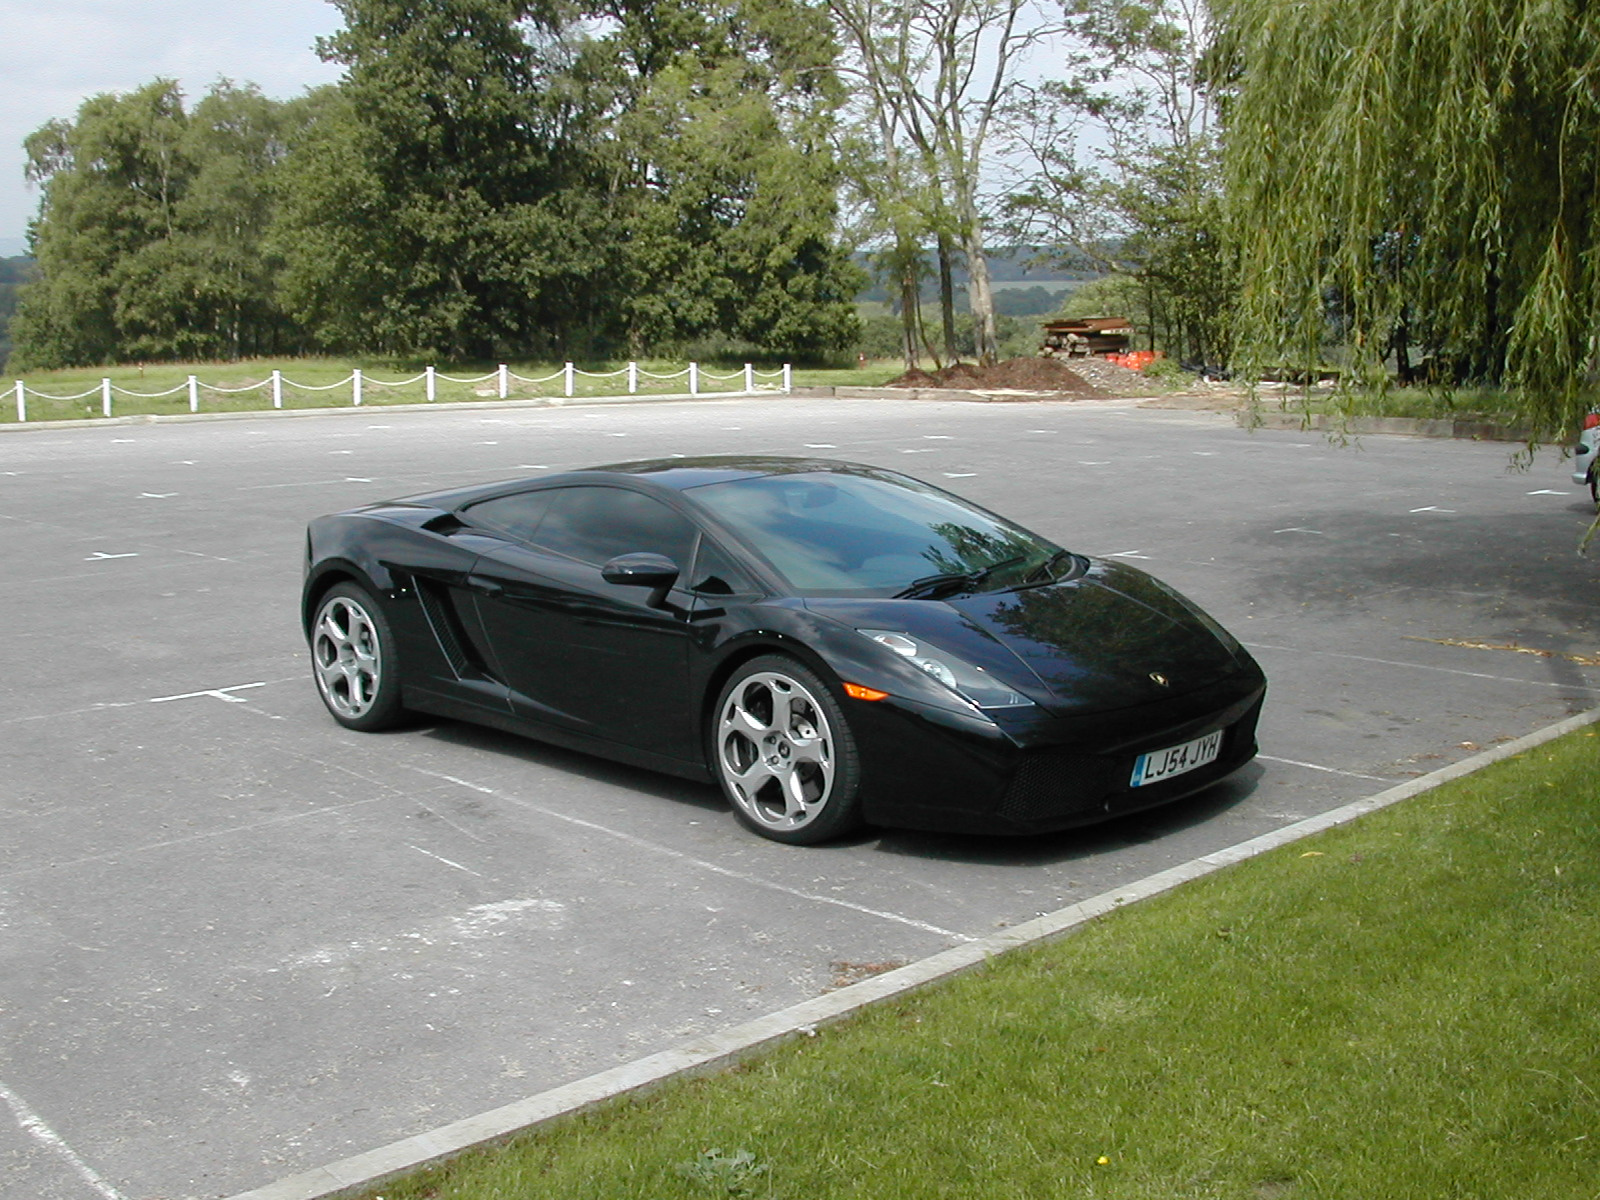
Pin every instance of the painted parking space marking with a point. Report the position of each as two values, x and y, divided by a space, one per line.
1294 762
1433 508
219 693
1414 666
1302 529
713 868
102 556
447 862
1128 554
960 474
1549 492
34 1126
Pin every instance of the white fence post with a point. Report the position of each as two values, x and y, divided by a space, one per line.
749 378
194 395
569 380
503 382
428 374
22 402
633 378
105 397
694 379
788 378
277 389
355 387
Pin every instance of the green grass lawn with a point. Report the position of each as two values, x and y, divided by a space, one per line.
325 383
1406 1007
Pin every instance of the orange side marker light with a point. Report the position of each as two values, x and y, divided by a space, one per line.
856 692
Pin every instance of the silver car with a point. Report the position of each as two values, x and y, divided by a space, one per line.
1584 467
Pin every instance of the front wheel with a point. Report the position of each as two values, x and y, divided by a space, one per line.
353 655
782 750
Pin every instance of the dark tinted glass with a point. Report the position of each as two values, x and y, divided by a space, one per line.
715 574
516 516
859 535
595 524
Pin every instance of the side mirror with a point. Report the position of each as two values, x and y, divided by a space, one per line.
655 571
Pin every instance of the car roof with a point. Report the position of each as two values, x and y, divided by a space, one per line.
676 474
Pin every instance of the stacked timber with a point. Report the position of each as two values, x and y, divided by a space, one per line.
1083 336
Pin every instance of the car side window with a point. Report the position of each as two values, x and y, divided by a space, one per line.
516 516
715 575
595 524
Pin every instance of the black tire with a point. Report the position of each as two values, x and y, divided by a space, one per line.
782 751
1594 487
354 660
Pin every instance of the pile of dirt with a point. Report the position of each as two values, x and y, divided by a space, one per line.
1015 374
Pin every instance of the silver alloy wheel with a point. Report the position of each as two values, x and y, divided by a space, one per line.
775 751
348 656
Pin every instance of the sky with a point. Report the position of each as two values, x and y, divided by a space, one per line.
57 53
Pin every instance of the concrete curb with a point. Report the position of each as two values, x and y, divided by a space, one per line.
706 1054
369 409
1477 431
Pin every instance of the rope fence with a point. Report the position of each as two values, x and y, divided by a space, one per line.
358 381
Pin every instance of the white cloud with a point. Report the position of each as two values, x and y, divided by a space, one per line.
59 52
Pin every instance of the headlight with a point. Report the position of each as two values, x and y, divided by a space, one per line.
971 683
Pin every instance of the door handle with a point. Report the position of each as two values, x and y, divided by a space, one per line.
482 583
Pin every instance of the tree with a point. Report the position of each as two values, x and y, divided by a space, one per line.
149 234
420 207
1424 174
1127 167
722 179
933 81
499 175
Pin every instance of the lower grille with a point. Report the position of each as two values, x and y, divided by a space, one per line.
1051 783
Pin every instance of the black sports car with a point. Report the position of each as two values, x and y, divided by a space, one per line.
832 643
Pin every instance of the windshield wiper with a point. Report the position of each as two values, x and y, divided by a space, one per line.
950 582
1045 572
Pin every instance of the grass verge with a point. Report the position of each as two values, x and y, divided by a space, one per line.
1401 1007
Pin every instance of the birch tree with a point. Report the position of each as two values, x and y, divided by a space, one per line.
933 81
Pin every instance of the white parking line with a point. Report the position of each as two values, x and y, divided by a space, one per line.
445 860
219 693
714 868
35 1127
1294 762
1389 662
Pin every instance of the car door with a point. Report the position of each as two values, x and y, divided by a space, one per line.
599 659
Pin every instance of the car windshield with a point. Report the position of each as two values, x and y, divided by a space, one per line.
864 535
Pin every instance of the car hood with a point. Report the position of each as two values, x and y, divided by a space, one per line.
1113 637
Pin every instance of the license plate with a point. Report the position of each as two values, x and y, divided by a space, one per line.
1175 760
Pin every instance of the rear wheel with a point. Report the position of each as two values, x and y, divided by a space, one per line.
354 658
783 752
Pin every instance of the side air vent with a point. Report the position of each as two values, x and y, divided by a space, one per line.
446 626
445 523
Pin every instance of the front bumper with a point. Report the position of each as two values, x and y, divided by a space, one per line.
922 770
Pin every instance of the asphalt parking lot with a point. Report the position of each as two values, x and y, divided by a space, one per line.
238 941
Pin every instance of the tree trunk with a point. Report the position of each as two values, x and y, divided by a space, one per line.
947 297
980 298
909 313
